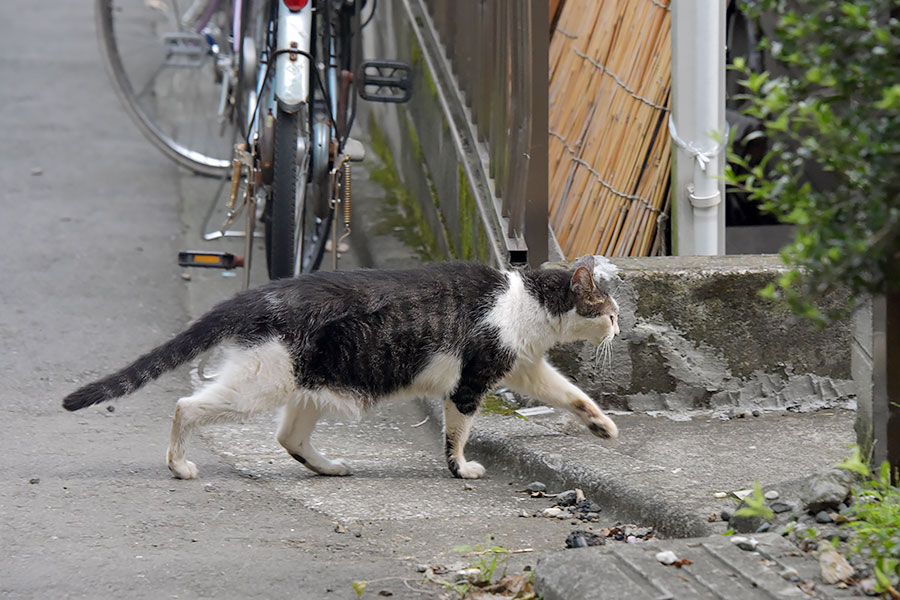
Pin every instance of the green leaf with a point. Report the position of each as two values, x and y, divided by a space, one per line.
755 505
854 464
359 587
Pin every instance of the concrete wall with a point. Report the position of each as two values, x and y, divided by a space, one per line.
697 336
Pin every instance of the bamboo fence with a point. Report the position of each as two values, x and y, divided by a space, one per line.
609 153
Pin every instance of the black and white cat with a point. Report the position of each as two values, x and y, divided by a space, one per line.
339 342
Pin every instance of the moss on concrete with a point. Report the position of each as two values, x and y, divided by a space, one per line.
401 215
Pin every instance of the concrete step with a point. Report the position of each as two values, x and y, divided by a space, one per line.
718 569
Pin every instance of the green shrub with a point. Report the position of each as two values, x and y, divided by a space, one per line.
835 113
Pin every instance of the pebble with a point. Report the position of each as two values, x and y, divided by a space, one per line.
552 511
535 486
780 507
185 275
34 480
764 528
567 498
421 568
755 412
581 539
666 557
110 408
720 495
632 539
35 171
823 517
867 586
771 495
725 515
790 574
591 516
524 513
468 487
743 543
564 515
834 567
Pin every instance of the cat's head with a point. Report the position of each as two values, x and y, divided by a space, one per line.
596 310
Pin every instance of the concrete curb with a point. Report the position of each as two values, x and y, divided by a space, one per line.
532 451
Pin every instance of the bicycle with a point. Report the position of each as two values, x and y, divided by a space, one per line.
261 91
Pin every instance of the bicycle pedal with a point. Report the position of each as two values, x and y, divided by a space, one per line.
385 81
185 49
210 260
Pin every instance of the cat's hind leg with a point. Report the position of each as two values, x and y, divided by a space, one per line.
250 381
542 382
456 433
298 422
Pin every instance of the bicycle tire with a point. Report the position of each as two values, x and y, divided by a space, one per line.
191 152
281 218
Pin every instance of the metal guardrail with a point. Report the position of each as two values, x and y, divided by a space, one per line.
498 50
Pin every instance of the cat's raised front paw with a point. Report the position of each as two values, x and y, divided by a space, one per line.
602 426
471 470
184 469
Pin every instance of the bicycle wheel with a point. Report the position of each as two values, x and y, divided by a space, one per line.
297 225
175 73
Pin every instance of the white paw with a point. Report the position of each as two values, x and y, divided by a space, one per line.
184 469
471 470
337 467
602 426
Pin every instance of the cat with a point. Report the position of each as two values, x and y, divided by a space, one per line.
339 342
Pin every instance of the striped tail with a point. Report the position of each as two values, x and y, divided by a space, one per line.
199 337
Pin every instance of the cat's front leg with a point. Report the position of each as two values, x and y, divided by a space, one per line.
457 425
542 382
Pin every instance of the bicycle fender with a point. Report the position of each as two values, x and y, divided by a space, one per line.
291 83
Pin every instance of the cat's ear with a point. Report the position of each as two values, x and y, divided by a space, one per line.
582 281
586 261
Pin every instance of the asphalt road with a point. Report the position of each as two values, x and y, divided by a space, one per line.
92 220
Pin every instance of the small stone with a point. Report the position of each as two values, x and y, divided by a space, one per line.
823 517
720 495
552 511
712 518
110 408
748 544
421 568
867 586
781 507
834 567
186 276
36 171
591 516
827 490
566 498
725 515
771 495
790 574
340 528
524 513
764 528
631 539
34 480
564 515
468 487
582 539
666 557
755 412
535 486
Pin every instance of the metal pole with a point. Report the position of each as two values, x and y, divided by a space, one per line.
697 126
536 204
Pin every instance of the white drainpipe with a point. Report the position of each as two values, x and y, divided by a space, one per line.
697 125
